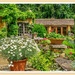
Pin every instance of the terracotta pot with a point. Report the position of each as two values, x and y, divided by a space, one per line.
56 41
18 65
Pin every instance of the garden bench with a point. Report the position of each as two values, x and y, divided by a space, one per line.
64 63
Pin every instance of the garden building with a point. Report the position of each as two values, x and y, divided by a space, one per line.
62 26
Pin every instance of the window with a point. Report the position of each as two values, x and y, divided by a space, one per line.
59 30
23 28
64 30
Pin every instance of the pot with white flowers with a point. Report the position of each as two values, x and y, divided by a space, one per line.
17 50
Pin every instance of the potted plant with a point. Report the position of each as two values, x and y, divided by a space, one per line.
55 38
17 50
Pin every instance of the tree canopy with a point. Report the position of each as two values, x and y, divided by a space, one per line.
50 10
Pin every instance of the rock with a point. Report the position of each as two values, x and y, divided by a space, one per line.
62 55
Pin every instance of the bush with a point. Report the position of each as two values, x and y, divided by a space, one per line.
70 53
69 42
44 61
40 29
3 32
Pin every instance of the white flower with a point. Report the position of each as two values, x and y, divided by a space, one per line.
13 54
11 47
30 50
20 54
12 65
11 62
3 48
19 49
8 51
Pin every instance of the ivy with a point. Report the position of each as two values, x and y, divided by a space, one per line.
11 14
3 32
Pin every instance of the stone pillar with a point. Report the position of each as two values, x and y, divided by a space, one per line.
29 20
61 30
49 29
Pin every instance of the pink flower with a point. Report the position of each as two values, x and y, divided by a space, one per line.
70 53
44 38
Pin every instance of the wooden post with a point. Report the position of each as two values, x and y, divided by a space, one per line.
56 30
69 28
61 30
49 29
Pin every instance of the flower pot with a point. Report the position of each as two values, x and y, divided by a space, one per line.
18 65
56 41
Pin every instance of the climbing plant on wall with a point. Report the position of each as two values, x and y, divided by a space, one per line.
10 14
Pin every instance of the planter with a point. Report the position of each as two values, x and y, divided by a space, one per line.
56 41
18 65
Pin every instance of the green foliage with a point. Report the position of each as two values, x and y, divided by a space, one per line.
69 42
41 62
10 14
3 32
70 53
13 30
40 29
45 41
50 10
29 14
55 35
44 61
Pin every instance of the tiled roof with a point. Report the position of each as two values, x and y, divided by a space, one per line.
55 21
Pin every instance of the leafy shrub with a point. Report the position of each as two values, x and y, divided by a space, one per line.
44 61
40 62
29 14
3 32
69 42
13 30
55 35
45 41
40 29
70 53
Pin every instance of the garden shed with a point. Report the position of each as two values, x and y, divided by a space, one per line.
62 26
